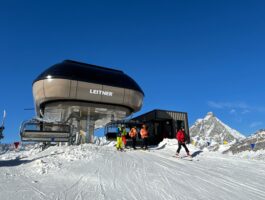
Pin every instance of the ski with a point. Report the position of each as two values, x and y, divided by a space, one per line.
121 150
145 150
183 157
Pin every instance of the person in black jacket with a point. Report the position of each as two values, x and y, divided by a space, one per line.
1 132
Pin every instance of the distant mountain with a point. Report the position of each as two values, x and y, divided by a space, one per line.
254 142
211 131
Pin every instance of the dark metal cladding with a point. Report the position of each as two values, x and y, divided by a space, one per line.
73 70
166 123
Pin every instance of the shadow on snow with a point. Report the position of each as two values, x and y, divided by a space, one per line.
19 161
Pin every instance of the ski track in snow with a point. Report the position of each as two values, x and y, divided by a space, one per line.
92 172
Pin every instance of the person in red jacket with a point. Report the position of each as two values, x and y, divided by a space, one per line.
181 141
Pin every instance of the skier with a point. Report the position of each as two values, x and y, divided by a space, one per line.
144 135
133 134
82 137
181 141
1 132
119 141
2 127
123 135
16 144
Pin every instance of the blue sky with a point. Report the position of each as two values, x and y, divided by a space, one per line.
193 56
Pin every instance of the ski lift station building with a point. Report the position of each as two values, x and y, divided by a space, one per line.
73 97
161 124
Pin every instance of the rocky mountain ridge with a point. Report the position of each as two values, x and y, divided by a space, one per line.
211 131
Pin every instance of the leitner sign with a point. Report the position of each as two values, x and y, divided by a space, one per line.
101 92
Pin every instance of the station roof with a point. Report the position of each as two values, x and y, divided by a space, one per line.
73 70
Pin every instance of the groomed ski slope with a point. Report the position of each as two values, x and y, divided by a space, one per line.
100 172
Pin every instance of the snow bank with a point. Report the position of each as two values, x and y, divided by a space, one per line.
4 148
252 155
102 141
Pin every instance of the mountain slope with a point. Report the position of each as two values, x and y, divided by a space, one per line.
258 140
100 172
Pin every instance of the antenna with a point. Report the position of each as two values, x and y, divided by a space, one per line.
4 117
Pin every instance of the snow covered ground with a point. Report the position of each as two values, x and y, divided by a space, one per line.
100 172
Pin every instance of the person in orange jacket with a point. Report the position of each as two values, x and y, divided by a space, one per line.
181 137
133 135
144 134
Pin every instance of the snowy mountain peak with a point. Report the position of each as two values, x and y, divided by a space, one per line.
212 130
209 115
260 132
